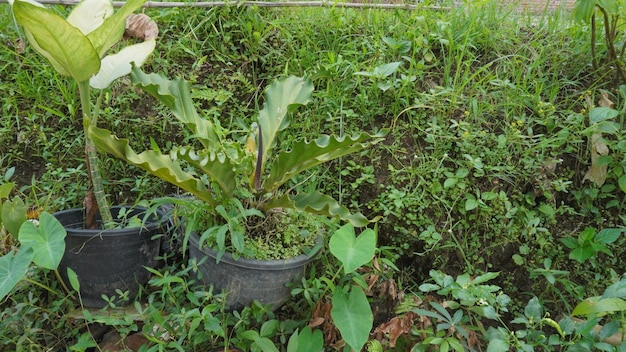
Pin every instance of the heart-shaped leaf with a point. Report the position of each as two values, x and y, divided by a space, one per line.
47 240
13 267
13 215
352 316
353 252
306 340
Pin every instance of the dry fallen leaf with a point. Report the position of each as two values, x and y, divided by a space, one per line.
597 173
396 327
140 26
604 100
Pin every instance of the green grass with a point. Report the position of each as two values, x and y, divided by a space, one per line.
482 172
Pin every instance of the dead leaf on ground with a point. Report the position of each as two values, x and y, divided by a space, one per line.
597 173
604 100
140 26
395 328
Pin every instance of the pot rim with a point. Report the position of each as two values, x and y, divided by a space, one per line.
149 225
260 264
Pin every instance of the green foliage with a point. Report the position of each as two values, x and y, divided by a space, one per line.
493 115
589 243
228 164
604 16
76 47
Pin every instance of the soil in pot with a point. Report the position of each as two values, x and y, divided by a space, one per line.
109 260
245 280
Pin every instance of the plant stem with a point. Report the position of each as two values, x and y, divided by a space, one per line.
95 176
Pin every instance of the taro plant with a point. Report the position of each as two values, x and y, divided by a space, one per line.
77 47
41 242
246 176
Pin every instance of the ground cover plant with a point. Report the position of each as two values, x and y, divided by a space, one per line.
500 186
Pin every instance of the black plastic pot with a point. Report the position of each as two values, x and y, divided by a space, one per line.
245 280
108 260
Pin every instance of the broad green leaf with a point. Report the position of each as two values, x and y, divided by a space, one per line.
618 290
84 342
47 240
13 267
599 114
13 215
387 69
117 65
471 203
176 95
269 328
352 316
88 15
281 98
317 203
113 27
597 305
381 71
73 279
497 345
65 46
607 236
165 168
306 341
534 309
488 312
305 155
265 344
622 182
581 253
484 278
352 251
5 190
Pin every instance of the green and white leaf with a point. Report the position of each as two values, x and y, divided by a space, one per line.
117 65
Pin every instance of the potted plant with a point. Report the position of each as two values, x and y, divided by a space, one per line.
107 253
246 196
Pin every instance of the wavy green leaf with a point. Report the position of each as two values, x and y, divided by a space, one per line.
176 95
162 166
307 154
317 203
281 97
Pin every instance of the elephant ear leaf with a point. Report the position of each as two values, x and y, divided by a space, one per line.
13 267
46 239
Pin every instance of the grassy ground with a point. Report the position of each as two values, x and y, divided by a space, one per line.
483 171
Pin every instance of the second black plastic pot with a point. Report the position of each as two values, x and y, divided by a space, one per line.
109 260
245 280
